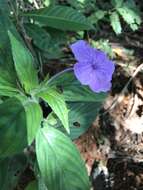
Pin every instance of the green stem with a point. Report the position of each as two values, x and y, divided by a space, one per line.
58 74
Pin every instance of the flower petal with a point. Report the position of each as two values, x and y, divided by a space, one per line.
99 57
99 83
107 68
104 65
97 87
82 51
83 72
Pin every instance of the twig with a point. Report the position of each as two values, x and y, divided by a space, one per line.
120 97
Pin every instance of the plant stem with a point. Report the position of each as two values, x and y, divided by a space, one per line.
58 74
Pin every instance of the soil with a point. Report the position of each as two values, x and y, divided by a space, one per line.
126 174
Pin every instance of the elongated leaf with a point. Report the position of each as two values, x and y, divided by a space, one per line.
33 118
33 115
7 73
40 37
49 2
97 15
8 91
59 161
60 17
81 117
57 103
23 64
77 4
10 171
41 184
117 3
58 36
3 4
12 127
7 82
115 22
33 185
73 91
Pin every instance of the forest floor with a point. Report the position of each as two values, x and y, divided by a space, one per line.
113 147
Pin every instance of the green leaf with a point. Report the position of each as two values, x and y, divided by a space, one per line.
3 4
60 17
97 15
132 5
41 184
1 101
115 22
58 38
8 86
10 171
8 91
117 3
40 37
131 16
57 103
8 75
59 161
23 64
12 127
33 185
73 91
81 117
33 114
49 2
77 4
33 119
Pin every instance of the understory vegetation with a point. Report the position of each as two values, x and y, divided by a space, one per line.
66 68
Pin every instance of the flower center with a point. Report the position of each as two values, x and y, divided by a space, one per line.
94 67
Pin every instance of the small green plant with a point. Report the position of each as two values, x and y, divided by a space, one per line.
113 12
23 90
31 134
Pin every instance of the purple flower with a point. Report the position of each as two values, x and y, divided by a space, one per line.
93 67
